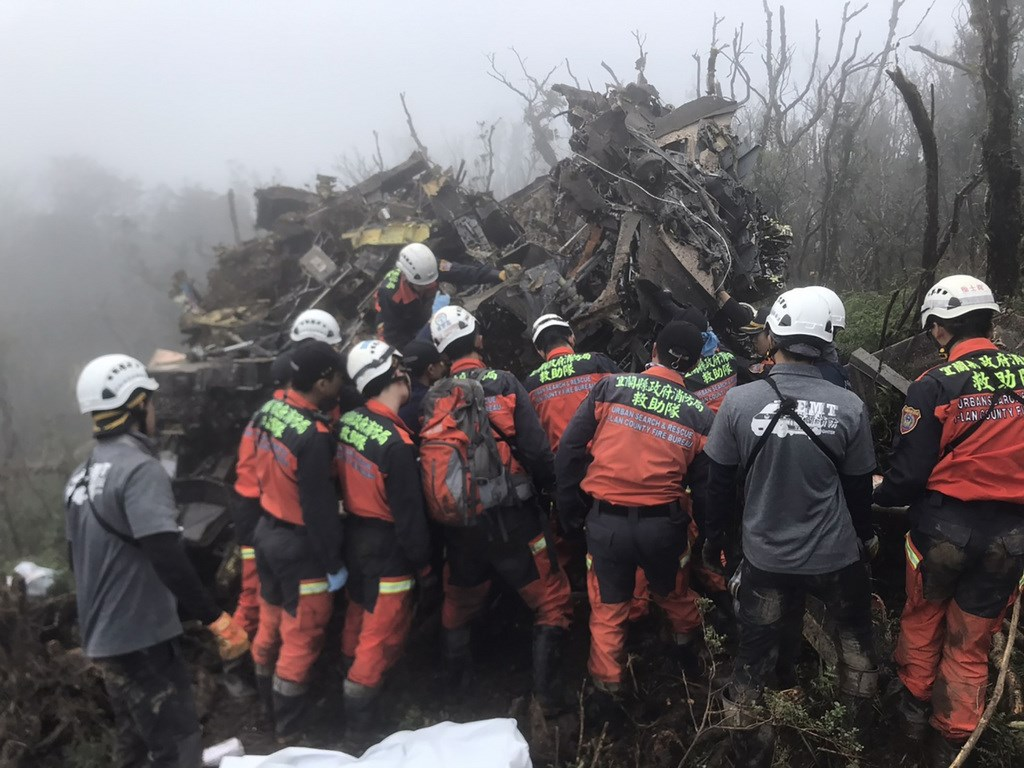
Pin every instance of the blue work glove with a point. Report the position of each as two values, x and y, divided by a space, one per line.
336 581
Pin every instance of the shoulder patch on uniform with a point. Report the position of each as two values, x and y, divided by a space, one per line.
909 419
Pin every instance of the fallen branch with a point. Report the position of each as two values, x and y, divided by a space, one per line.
997 694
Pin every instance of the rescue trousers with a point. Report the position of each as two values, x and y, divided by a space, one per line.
247 612
155 716
621 540
295 605
510 543
771 607
380 591
957 593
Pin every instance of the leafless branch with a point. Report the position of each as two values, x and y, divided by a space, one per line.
953 226
945 60
379 157
641 62
574 78
412 126
615 78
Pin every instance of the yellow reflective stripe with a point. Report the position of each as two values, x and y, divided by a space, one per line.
590 562
313 587
913 556
685 559
1021 585
395 586
248 553
538 545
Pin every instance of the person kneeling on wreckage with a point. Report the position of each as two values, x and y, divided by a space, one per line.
804 447
623 466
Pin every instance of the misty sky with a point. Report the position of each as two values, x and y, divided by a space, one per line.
176 91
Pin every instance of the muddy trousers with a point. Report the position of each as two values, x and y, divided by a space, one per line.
247 612
771 609
512 545
154 711
956 596
619 545
295 607
374 636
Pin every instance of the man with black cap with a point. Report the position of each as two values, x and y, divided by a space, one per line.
637 519
805 450
298 537
425 366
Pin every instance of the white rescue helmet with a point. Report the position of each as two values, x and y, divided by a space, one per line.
801 322
544 322
954 296
417 262
316 324
836 308
108 382
450 323
369 360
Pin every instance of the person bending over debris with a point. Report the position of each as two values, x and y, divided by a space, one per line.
298 536
131 572
387 541
425 367
406 295
637 517
804 448
957 461
829 365
508 536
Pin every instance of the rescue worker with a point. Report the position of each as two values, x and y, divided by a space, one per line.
405 297
637 519
565 378
510 541
387 542
831 369
805 451
311 325
298 536
957 462
425 366
131 572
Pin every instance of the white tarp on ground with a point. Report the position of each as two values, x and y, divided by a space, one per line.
484 744
38 579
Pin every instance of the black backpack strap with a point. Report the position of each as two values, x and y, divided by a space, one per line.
997 395
84 484
787 407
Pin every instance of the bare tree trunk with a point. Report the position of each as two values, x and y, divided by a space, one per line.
234 216
929 147
994 20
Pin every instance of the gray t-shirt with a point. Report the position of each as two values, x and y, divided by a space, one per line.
795 518
122 604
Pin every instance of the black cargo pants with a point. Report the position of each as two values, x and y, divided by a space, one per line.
154 711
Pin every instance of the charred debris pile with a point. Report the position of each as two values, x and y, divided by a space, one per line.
651 197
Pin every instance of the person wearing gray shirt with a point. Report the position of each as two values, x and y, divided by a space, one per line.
805 450
131 572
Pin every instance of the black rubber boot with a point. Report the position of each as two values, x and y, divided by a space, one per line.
360 708
458 659
912 714
724 616
548 644
857 690
265 689
686 652
752 745
942 751
289 708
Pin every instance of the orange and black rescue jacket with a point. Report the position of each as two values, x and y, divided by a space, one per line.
517 429
376 461
929 453
294 471
561 383
712 378
401 312
632 442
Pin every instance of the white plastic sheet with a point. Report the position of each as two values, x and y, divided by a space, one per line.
484 744
38 578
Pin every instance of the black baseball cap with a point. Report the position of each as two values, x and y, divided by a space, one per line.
679 345
418 354
311 361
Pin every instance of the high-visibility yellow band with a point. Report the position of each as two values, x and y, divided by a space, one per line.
913 556
313 587
538 545
685 559
395 586
590 562
248 553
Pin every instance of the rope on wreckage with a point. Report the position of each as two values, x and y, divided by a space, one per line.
668 201
997 694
